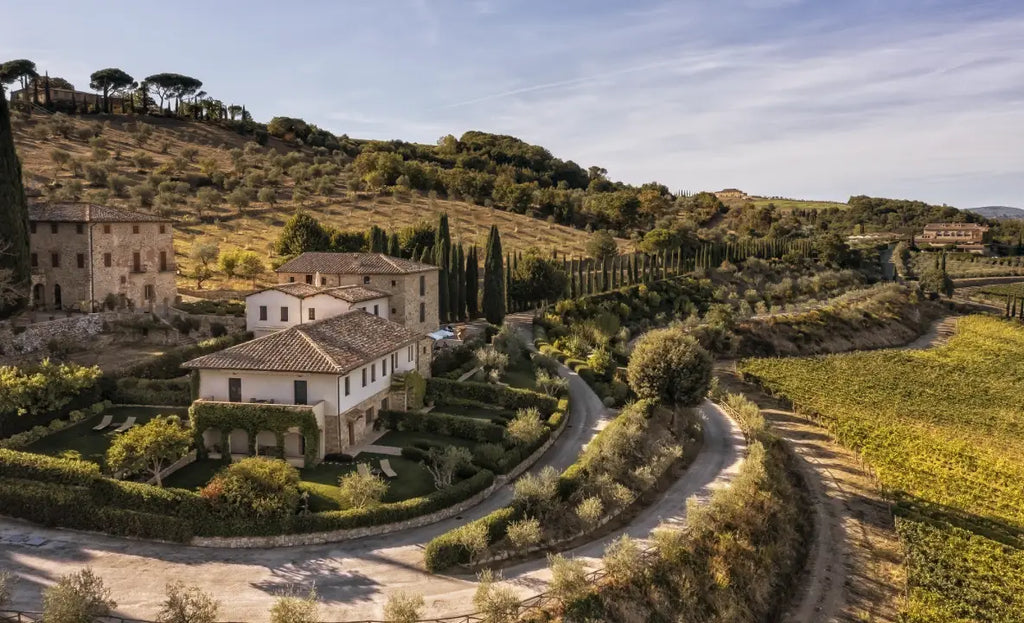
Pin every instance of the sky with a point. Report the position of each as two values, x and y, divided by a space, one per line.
812 99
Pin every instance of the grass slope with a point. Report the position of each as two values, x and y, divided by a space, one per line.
944 431
257 227
798 204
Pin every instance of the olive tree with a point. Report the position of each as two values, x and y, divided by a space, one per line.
670 366
187 604
77 598
149 447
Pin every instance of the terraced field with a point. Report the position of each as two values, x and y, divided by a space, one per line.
943 429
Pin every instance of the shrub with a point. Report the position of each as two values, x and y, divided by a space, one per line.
486 455
361 491
568 579
536 494
622 561
443 464
403 607
670 366
552 385
77 598
187 604
7 581
524 533
293 608
590 510
526 428
461 545
497 604
440 390
469 428
255 487
217 329
43 468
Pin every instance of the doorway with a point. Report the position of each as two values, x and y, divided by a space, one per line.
234 390
300 392
38 295
351 433
57 304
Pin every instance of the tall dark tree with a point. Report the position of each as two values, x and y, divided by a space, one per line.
472 283
107 80
442 259
453 286
460 278
21 70
494 279
378 239
47 101
302 233
394 246
170 86
14 253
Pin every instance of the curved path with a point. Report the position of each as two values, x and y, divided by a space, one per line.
352 578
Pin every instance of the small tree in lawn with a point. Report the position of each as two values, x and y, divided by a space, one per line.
294 608
149 447
250 266
526 427
187 604
442 464
77 598
203 256
361 490
403 607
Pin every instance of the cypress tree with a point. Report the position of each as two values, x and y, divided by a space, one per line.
442 259
494 282
472 283
394 247
509 303
454 277
425 256
13 217
46 92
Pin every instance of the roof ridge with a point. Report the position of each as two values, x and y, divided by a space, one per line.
316 346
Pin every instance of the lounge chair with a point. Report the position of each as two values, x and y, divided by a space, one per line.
363 469
385 466
126 425
105 422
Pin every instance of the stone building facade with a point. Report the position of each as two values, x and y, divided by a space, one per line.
412 287
85 257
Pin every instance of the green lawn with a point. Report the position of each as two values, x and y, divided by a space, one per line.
521 376
322 481
92 445
480 412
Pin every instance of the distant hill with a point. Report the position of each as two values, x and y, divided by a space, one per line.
999 212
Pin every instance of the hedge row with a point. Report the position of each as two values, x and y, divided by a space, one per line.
468 428
455 546
139 391
440 390
28 466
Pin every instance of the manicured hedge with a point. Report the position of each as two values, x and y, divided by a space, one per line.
136 391
450 549
439 390
468 428
29 466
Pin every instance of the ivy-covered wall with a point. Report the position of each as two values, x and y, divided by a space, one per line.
254 418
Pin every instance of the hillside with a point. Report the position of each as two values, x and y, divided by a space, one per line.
220 186
998 212
797 204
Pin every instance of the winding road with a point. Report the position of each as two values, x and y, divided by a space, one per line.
353 578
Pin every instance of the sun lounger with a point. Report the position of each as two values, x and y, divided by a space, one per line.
105 422
363 469
385 466
127 424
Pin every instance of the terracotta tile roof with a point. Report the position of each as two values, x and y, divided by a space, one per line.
977 226
352 264
355 294
332 346
88 213
352 294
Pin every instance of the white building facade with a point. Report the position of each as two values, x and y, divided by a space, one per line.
290 304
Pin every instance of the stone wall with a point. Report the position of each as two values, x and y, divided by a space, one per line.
234 324
24 342
334 536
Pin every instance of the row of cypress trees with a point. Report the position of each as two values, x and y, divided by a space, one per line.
15 272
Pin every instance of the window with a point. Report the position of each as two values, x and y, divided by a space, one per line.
376 310
79 228
35 260
136 262
55 260
410 352
373 372
312 313
80 258
393 283
309 279
364 377
106 260
291 279
366 279
147 292
348 389
263 312
163 261
32 227
383 367
124 280
106 228
284 314
53 228
423 285
393 311
135 229
163 228
323 281
423 312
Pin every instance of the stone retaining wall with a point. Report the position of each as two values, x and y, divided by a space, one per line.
317 538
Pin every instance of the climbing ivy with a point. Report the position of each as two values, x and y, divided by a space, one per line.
254 418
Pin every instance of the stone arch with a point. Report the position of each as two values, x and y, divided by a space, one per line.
294 445
267 443
238 441
212 439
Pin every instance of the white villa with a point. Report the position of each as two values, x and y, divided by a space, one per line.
288 304
341 368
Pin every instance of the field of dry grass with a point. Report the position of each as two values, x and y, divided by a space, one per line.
177 149
787 205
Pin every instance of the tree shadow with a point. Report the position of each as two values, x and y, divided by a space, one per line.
332 581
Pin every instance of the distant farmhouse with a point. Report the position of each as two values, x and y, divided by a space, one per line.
336 338
969 237
730 193
85 257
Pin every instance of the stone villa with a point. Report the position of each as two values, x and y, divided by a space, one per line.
964 236
85 256
410 286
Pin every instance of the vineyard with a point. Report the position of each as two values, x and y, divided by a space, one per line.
943 430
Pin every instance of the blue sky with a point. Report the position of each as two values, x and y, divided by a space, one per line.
811 99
